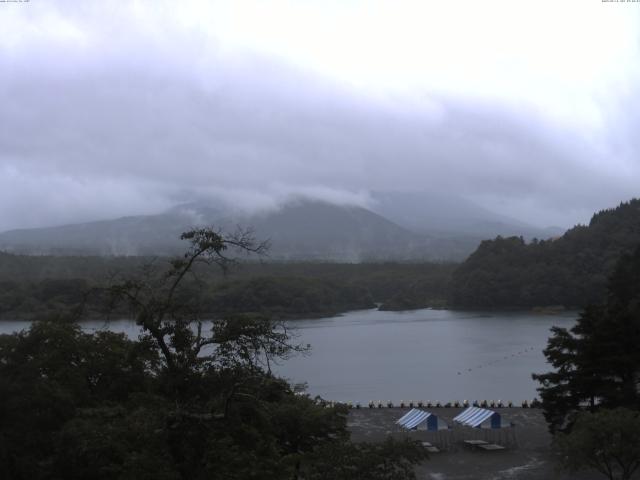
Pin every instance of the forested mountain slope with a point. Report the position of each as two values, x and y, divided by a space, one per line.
571 270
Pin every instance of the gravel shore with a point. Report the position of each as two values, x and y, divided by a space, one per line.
527 456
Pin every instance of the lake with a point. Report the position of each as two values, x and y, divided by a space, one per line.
428 355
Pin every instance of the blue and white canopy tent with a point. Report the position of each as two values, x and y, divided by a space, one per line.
427 427
419 419
489 422
476 417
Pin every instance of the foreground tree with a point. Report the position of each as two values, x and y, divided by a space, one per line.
389 460
607 441
164 303
56 380
188 400
597 362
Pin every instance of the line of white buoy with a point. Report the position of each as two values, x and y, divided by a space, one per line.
493 362
535 403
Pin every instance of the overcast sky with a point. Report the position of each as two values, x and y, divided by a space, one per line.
108 108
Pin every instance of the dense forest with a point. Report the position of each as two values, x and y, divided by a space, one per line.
570 271
32 286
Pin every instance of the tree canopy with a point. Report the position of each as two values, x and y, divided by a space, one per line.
187 400
607 441
571 270
597 362
32 287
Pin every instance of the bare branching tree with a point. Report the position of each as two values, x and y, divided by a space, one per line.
168 315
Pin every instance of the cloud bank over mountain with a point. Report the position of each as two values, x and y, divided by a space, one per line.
115 108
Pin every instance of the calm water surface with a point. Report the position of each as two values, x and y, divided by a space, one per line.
436 355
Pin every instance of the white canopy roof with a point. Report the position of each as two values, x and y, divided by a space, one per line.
416 417
474 416
412 419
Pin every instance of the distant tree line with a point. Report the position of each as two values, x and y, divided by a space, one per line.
35 286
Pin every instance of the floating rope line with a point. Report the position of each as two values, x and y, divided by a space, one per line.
499 360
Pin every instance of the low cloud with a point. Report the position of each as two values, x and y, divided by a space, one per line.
96 129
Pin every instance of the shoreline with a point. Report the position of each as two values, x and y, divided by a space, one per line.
541 311
530 458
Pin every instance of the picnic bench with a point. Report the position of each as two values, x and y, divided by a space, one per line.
430 448
474 444
491 446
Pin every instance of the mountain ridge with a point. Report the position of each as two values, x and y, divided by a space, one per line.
301 229
308 229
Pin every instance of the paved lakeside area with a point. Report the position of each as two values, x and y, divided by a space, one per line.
528 458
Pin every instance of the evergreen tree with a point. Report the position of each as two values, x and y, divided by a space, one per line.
597 362
571 270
